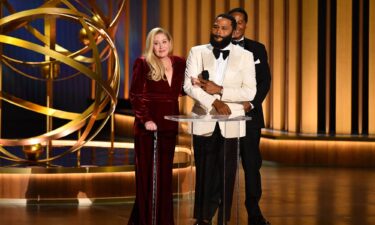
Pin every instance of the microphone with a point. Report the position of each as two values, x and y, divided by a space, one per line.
205 75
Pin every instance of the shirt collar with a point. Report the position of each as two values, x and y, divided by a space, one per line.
242 38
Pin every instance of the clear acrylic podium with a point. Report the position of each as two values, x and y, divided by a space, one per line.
184 203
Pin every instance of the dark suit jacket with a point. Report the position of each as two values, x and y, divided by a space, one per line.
263 78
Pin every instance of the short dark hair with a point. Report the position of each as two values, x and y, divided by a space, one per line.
229 17
239 10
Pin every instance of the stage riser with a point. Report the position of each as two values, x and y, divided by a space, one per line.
294 149
60 187
319 152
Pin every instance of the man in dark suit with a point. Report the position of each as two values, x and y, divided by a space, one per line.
250 152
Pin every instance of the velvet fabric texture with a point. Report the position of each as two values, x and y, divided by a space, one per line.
152 100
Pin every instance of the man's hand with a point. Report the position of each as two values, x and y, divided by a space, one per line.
221 107
195 81
210 87
247 106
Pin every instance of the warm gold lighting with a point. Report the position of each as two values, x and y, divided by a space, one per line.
326 152
46 70
32 152
84 36
89 61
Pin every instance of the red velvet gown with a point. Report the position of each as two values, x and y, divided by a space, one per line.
152 100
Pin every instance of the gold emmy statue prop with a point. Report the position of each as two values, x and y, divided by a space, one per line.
97 59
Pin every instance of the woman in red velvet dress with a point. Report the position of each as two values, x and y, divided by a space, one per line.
156 85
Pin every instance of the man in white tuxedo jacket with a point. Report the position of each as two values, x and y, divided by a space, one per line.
231 81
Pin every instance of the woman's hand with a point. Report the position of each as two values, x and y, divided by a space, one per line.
150 125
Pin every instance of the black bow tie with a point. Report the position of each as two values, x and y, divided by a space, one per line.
217 52
240 43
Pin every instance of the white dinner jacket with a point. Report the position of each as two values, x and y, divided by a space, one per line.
239 85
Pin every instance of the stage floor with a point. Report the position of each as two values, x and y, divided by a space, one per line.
291 196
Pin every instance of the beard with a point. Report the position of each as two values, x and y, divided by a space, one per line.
220 44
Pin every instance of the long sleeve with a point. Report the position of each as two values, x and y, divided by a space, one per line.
137 99
263 77
193 69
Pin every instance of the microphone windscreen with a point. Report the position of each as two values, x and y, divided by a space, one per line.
205 75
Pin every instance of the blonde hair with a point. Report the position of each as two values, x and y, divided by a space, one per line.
157 70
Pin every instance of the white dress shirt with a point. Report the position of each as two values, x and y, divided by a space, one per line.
221 65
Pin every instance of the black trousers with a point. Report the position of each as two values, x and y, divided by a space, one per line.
251 162
211 188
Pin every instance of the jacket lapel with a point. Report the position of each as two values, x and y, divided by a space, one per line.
208 59
234 59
